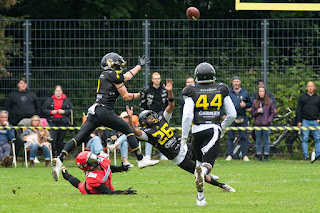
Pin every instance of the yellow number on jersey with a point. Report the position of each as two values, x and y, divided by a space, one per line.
203 102
165 133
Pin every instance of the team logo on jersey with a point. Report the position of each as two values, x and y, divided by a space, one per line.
118 72
23 98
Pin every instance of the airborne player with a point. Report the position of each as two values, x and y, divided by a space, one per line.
155 129
101 113
203 102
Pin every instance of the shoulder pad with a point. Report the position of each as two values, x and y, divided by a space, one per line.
224 89
188 90
114 76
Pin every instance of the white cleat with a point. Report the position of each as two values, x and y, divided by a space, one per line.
214 177
228 188
199 174
56 167
146 162
201 202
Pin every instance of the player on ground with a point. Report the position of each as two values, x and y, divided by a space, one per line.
203 102
156 131
98 175
101 113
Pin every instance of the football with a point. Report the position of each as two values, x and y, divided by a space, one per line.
193 13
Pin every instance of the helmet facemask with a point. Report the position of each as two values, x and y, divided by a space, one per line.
148 118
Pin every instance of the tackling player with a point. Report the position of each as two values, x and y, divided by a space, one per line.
101 113
156 131
203 102
98 175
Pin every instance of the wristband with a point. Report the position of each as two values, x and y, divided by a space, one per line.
132 96
131 73
171 99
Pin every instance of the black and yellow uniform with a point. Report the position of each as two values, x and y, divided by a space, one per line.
208 99
102 113
161 136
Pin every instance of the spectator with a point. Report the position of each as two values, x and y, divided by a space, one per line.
33 143
95 143
57 110
241 100
260 83
189 80
22 103
154 97
6 135
123 143
308 114
263 113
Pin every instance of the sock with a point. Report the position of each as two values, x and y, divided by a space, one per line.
200 195
216 183
68 148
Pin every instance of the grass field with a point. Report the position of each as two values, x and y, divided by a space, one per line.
277 186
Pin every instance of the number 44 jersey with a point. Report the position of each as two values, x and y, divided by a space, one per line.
208 99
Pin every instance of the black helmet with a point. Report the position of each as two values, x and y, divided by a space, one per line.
112 61
205 73
144 115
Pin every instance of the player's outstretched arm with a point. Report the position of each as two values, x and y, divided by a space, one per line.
141 62
74 181
122 168
125 94
136 131
168 87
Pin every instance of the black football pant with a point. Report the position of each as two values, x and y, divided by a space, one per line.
201 139
107 118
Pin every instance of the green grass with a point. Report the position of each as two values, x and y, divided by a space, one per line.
277 186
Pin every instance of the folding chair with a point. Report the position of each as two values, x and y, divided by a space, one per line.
27 123
13 149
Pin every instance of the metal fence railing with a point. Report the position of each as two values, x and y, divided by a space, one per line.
283 52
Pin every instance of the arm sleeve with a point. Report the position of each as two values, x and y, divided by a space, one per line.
74 181
187 117
167 116
144 136
231 112
104 189
254 109
37 105
272 113
45 110
248 102
143 103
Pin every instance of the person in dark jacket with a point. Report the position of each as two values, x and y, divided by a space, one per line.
22 103
263 112
57 110
241 100
154 97
308 114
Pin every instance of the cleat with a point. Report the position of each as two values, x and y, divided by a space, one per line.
163 157
228 188
146 162
214 177
199 174
201 202
56 167
229 158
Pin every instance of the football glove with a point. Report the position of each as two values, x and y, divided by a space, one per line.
128 191
143 60
124 168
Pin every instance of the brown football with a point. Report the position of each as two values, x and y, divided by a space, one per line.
193 13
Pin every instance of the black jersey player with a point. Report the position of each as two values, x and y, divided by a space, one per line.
203 102
110 86
156 130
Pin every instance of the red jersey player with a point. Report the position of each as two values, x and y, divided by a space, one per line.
98 175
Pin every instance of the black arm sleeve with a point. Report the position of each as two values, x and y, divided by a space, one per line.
116 168
74 181
105 190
